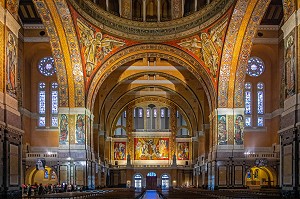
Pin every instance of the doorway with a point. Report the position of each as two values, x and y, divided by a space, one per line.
151 181
257 177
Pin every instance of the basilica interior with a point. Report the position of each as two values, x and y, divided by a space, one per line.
150 94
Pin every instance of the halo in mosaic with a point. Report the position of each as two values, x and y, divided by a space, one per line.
243 62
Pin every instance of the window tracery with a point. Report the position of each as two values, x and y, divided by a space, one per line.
255 67
46 66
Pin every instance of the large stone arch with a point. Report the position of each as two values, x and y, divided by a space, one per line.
162 74
187 108
237 49
58 22
147 50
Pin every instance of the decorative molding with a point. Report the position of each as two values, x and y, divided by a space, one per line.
12 24
36 39
33 26
274 41
268 27
14 129
291 127
290 24
147 31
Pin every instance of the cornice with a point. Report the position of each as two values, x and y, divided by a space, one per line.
152 31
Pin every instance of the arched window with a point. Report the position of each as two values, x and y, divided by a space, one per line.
248 104
255 67
46 66
47 92
165 182
260 104
137 11
138 114
138 181
54 104
164 118
181 125
42 104
151 174
121 125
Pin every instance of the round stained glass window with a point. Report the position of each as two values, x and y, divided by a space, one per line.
46 66
255 67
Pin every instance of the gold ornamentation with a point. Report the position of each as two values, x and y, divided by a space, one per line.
95 47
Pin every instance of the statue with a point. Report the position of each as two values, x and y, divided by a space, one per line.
174 160
128 160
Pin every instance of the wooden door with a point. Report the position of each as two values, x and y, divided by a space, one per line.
151 182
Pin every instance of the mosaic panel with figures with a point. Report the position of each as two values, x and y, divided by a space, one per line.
151 148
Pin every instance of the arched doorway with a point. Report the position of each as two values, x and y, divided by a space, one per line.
138 181
151 181
257 177
165 181
45 176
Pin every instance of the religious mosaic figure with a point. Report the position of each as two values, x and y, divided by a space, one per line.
94 46
11 67
63 127
183 151
238 130
151 149
289 67
80 137
209 53
222 130
208 46
119 150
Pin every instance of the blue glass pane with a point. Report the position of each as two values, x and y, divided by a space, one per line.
248 102
260 121
54 107
255 67
162 112
260 102
46 66
54 121
42 103
42 121
248 121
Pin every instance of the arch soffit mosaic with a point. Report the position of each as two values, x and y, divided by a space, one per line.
181 103
236 50
151 50
110 92
57 19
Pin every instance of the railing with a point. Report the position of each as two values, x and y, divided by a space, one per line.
40 155
260 155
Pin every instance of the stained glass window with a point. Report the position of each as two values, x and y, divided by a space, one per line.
248 121
248 99
140 112
46 66
154 112
42 104
162 112
54 104
260 98
260 121
42 121
255 67
148 112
